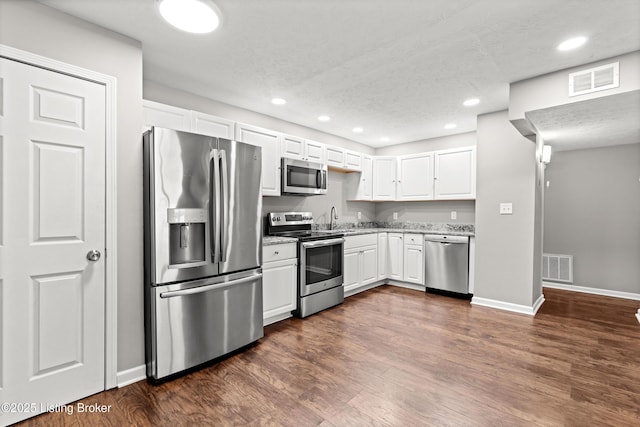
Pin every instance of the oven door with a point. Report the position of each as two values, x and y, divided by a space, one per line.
300 177
320 265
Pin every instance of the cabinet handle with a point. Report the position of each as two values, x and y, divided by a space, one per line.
276 253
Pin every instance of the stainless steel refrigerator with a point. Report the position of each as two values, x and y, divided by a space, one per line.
203 248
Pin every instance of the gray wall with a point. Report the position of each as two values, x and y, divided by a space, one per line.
506 172
32 27
592 211
431 144
321 205
156 92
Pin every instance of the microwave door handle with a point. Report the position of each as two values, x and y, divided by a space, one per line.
319 178
214 205
225 216
324 180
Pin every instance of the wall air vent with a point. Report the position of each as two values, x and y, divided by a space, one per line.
557 268
594 79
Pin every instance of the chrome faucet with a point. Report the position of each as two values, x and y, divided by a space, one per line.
334 215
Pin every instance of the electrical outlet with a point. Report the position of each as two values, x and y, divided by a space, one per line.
359 215
506 208
454 215
395 215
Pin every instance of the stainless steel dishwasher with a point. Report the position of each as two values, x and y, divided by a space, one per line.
447 264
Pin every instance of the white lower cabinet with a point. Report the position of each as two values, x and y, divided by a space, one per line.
360 261
396 255
413 259
383 252
279 282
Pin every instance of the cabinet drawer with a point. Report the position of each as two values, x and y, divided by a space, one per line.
278 252
413 239
360 240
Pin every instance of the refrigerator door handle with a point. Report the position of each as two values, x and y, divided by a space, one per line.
225 216
214 205
207 288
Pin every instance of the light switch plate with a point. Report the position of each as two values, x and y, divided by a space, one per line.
506 208
454 215
395 215
359 215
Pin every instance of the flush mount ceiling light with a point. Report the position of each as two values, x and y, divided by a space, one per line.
324 118
450 126
278 101
192 16
357 130
471 102
572 43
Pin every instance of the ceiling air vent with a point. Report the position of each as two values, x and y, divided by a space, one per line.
594 79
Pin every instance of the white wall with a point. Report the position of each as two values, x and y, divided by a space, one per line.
35 28
592 211
505 244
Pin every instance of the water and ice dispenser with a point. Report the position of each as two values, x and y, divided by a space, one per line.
187 233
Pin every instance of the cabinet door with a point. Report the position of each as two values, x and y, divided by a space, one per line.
396 255
369 272
413 264
292 147
365 189
279 280
335 156
206 124
383 258
415 177
351 269
455 173
270 143
314 152
384 178
166 116
352 160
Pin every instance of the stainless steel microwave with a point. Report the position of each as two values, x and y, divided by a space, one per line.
303 178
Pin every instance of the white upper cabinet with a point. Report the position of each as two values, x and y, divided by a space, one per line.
365 189
455 173
270 143
335 156
341 159
384 178
415 177
206 124
166 116
303 149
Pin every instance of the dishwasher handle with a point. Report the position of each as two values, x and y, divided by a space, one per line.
447 239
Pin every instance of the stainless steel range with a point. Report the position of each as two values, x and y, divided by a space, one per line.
320 261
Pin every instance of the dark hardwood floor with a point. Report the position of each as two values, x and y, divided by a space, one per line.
393 356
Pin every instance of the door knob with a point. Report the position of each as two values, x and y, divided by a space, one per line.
93 255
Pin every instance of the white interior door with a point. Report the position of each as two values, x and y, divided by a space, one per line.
52 200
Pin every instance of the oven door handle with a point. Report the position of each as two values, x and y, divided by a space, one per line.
319 243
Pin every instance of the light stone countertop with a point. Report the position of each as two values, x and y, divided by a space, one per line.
276 240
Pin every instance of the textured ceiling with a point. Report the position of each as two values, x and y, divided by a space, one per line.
599 122
398 68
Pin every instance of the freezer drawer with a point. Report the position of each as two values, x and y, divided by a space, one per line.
447 263
194 322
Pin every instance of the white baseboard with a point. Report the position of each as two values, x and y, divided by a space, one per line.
406 285
595 291
132 375
277 318
516 308
352 292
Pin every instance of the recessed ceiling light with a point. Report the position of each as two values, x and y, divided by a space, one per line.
278 101
573 43
471 102
357 130
324 118
450 126
193 16
384 139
